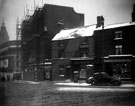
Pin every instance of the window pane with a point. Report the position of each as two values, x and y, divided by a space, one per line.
61 70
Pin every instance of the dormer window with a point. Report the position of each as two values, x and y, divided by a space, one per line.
118 35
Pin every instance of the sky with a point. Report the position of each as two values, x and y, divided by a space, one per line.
113 11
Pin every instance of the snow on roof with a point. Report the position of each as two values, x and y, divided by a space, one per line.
85 31
75 33
119 25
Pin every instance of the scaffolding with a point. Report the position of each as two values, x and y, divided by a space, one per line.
18 46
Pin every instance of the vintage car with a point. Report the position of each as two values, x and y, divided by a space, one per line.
102 78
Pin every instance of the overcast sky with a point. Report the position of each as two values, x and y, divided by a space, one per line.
114 11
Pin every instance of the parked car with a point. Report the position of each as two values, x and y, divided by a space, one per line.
104 79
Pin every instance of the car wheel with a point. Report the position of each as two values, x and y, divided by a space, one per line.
87 82
93 82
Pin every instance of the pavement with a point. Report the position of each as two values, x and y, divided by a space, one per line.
70 83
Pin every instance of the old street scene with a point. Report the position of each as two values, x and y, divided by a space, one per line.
63 53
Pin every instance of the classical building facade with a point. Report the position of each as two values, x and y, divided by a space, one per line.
8 59
37 32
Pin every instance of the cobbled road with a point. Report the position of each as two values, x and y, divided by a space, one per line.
49 93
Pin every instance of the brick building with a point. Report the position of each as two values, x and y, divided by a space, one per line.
115 49
111 49
37 31
72 51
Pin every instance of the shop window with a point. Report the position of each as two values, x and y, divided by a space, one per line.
118 49
61 70
118 35
83 73
124 70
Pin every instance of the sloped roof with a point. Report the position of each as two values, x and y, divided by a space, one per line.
85 31
75 33
119 25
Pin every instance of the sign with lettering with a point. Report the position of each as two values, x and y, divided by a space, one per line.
118 60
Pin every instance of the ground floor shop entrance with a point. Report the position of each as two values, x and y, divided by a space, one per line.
37 72
79 66
71 69
123 65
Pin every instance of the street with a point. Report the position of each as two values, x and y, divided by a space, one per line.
47 93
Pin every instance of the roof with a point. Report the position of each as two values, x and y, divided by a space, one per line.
85 31
119 25
75 33
8 45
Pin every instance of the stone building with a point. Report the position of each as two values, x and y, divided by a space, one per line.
8 59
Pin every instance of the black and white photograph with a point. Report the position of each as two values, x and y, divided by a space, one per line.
67 52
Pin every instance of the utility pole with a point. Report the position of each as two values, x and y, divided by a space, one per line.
100 22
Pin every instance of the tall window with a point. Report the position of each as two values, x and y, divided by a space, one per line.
118 35
118 49
61 45
84 48
61 53
84 52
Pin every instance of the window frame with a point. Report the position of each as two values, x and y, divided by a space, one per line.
118 35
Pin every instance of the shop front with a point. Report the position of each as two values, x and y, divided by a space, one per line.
80 66
72 69
38 72
123 65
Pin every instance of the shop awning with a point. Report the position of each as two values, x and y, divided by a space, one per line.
119 58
